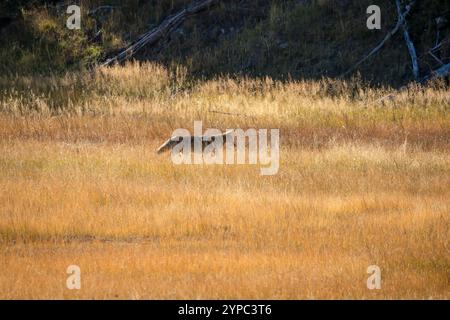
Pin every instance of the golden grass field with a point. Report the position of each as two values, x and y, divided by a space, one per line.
360 183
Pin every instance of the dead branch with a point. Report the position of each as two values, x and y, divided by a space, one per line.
230 113
100 9
435 58
438 73
165 28
409 43
385 39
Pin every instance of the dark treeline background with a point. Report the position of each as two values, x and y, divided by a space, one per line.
281 39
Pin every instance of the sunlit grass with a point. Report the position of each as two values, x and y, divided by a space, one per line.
359 184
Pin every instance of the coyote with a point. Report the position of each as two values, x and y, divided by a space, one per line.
204 140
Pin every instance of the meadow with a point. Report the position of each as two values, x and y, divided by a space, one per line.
362 181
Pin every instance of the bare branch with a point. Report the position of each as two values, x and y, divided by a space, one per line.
231 113
385 39
438 73
166 27
409 43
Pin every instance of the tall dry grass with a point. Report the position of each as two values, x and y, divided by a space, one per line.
360 183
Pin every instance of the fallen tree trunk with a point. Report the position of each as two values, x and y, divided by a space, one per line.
165 28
